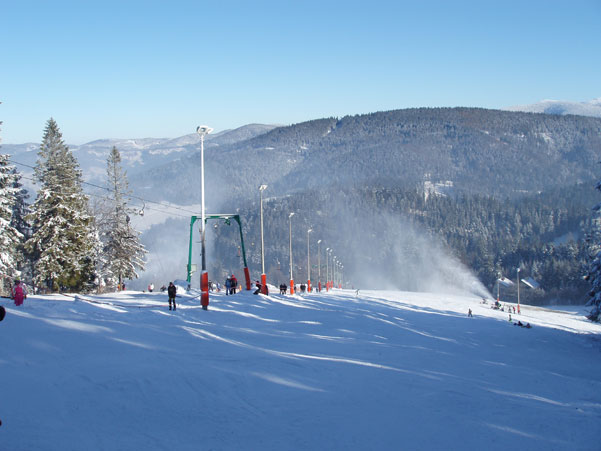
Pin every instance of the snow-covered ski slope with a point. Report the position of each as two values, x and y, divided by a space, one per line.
336 371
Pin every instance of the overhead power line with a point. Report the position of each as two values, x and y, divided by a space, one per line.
132 196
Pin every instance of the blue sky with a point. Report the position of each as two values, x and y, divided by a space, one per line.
133 69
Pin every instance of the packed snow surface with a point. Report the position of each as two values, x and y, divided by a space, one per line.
331 371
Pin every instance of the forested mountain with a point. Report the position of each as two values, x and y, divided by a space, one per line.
519 191
481 151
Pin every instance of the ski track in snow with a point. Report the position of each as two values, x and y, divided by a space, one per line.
379 370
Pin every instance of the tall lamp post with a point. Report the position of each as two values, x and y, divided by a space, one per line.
290 236
203 130
327 269
518 271
263 276
308 263
499 288
318 266
334 275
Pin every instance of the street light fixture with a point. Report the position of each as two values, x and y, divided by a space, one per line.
202 131
263 276
308 263
291 278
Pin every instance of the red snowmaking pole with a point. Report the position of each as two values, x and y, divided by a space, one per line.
290 240
263 276
308 263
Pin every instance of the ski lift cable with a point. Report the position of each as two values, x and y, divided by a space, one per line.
143 208
162 203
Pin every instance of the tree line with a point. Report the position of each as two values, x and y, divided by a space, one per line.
63 240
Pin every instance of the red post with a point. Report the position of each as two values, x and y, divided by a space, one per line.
291 286
309 286
247 277
263 284
204 289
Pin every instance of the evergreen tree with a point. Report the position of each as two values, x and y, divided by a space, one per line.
63 237
18 221
594 273
124 254
10 238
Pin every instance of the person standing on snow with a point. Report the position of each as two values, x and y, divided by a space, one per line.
228 286
171 290
234 284
19 292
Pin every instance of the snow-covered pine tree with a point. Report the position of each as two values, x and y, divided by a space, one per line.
62 242
10 238
594 273
123 251
18 221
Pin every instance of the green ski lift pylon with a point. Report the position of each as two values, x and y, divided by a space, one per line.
227 218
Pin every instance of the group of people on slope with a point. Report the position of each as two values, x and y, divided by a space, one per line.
231 284
519 323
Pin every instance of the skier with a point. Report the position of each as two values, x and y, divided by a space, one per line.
469 313
171 292
19 293
258 285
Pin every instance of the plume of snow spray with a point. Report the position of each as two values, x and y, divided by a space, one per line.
390 253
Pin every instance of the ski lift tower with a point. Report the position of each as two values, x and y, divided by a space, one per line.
226 217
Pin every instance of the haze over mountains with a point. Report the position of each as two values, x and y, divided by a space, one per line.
562 107
137 155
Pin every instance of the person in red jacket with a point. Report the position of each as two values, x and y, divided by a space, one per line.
19 293
234 284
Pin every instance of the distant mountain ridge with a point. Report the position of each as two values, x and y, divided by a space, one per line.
137 154
591 108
